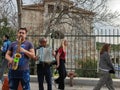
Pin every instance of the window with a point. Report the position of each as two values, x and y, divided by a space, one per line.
58 9
65 8
50 8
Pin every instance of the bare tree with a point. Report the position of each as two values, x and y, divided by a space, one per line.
102 14
19 4
72 14
8 11
69 15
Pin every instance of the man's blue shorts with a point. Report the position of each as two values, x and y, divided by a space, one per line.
16 76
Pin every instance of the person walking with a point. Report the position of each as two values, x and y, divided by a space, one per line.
106 68
6 43
22 72
61 57
44 59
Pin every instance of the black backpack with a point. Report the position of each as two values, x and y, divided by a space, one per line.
55 62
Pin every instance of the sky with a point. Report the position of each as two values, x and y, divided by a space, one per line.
114 5
27 1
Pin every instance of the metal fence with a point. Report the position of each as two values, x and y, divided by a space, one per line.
83 50
111 36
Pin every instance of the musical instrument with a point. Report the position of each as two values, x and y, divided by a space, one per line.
17 55
44 55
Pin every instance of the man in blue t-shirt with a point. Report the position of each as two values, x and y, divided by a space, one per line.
6 43
26 50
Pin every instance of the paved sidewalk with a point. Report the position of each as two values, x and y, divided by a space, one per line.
79 84
34 86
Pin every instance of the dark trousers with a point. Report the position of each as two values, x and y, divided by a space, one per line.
62 75
43 70
3 68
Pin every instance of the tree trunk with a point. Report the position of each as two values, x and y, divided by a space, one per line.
19 8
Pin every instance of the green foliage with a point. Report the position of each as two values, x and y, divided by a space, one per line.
114 47
99 45
5 29
87 68
32 67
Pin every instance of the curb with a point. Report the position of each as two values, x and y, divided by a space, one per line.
81 81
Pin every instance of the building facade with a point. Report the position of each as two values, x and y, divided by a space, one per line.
61 15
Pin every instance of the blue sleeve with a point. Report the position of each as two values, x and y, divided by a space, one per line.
4 47
31 46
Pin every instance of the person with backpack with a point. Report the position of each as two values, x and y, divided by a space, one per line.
6 43
61 57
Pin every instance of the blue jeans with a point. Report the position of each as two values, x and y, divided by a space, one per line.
17 76
43 70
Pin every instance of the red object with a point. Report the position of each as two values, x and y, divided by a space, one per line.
62 53
71 75
5 85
